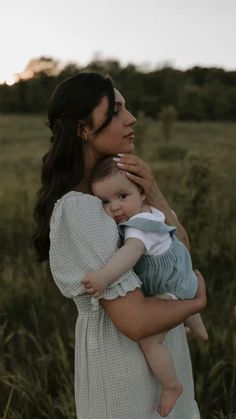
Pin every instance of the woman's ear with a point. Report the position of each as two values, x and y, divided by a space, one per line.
83 130
80 129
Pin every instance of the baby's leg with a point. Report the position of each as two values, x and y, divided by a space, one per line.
160 361
196 327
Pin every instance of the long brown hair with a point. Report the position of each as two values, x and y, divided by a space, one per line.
73 101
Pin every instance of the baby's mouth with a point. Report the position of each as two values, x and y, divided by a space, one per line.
120 219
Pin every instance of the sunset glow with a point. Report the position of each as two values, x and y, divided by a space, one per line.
170 33
9 80
9 71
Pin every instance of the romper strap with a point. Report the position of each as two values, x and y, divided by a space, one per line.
149 226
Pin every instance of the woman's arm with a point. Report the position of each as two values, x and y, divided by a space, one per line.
139 172
138 317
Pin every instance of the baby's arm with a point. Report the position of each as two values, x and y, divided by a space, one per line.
120 263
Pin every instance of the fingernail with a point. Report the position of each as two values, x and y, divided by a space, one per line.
116 159
120 154
120 164
127 173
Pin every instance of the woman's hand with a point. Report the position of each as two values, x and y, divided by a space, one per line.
139 172
138 317
201 298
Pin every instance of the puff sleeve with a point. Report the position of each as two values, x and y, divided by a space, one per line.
82 239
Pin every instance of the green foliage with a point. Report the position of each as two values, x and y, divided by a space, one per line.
167 117
191 104
36 349
197 94
170 152
141 132
37 323
207 212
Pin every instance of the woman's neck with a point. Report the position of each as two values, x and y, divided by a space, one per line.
84 185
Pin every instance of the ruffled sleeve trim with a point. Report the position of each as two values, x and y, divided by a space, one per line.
128 282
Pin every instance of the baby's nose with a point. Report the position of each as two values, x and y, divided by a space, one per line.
115 205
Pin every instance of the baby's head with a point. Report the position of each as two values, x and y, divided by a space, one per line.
121 198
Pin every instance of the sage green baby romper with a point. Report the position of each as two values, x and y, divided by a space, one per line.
112 378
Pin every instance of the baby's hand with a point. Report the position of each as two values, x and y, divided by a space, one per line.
93 282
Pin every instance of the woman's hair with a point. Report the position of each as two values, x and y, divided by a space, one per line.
104 168
70 105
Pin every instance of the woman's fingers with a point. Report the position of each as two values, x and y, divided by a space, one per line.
201 294
137 179
127 158
133 163
137 171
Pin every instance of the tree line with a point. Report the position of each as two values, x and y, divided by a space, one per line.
198 93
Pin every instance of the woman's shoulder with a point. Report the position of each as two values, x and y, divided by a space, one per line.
76 205
73 197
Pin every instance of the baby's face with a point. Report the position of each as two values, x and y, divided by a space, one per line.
121 198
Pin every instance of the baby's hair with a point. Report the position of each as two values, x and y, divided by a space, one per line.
104 168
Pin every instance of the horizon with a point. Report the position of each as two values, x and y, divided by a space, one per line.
142 67
148 34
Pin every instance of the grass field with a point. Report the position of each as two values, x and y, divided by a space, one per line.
197 171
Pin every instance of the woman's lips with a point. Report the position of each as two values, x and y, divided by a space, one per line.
129 136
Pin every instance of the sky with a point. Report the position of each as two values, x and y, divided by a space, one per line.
147 33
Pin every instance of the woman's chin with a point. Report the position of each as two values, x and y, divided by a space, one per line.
128 149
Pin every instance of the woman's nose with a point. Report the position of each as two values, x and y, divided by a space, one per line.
130 120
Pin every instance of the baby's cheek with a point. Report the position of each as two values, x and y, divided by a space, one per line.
107 211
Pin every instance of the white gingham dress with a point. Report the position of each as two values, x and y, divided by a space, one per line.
112 378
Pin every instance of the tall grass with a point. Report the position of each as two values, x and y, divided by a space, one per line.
37 323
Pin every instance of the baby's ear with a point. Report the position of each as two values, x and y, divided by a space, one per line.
143 196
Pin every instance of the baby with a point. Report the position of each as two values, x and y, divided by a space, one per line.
161 261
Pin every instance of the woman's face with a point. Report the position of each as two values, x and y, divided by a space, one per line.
118 136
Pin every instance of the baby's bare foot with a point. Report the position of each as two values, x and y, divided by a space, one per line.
200 335
168 399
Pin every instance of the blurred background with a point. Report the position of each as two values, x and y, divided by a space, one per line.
175 64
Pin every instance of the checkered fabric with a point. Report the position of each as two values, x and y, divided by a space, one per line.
112 378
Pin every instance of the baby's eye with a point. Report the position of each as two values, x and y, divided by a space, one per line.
123 195
105 201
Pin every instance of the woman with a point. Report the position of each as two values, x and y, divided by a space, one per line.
89 120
